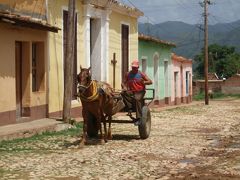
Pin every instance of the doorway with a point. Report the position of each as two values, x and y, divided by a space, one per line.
125 51
166 78
95 48
18 79
175 87
156 80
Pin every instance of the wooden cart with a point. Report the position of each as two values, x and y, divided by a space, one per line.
144 126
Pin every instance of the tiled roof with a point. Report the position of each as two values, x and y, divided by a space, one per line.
26 21
153 39
180 58
116 6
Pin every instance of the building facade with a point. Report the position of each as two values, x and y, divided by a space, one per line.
104 29
155 61
33 50
181 80
23 64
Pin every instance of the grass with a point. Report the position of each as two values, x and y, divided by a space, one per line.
44 141
216 95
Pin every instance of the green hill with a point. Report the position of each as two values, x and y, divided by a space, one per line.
190 38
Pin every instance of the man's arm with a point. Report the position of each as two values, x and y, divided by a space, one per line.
124 83
146 80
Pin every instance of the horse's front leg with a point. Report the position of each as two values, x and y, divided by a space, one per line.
101 133
83 141
100 127
109 128
105 128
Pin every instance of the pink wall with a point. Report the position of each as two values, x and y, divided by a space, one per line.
180 68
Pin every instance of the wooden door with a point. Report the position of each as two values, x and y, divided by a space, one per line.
175 86
125 49
18 78
155 73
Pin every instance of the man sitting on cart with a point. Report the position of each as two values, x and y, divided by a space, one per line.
134 90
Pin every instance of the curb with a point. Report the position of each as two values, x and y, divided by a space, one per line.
24 130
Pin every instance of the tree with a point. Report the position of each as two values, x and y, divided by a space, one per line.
223 61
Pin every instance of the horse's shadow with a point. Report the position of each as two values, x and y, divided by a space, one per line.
125 137
97 141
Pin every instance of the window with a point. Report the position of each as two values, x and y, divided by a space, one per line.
34 67
187 82
144 65
38 66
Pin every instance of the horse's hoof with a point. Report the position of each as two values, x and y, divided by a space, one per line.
109 137
80 146
102 141
82 143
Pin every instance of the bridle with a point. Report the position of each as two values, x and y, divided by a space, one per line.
87 79
86 86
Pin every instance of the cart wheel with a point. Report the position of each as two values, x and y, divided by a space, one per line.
144 127
92 129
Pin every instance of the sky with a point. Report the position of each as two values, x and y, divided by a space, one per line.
188 11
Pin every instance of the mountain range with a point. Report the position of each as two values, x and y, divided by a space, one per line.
189 38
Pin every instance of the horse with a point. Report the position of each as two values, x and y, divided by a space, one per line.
97 100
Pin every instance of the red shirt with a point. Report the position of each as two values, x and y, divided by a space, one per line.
135 81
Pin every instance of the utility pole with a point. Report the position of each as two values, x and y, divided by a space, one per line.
206 2
68 64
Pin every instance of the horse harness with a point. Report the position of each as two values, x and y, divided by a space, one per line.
97 91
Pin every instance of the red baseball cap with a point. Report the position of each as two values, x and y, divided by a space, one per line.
135 63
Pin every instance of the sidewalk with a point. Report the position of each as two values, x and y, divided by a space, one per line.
31 128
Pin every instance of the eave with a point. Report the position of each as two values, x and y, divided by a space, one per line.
116 6
26 21
181 59
156 40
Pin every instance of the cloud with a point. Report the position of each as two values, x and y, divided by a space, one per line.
188 11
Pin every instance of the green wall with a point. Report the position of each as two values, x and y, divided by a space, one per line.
147 50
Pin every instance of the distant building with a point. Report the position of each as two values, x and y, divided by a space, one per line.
181 80
155 61
231 85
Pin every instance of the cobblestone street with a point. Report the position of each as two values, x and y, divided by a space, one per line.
192 142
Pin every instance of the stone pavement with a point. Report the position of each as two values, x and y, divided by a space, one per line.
193 142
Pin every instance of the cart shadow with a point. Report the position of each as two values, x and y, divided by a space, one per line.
125 137
68 144
90 142
96 141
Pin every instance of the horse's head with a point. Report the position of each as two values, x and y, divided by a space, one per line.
84 78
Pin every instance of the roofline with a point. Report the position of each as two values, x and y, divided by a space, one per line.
26 21
180 58
153 39
116 6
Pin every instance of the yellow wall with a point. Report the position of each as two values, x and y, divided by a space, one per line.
116 20
9 35
55 10
55 16
53 45
25 6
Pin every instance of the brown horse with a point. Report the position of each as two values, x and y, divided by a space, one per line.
97 101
